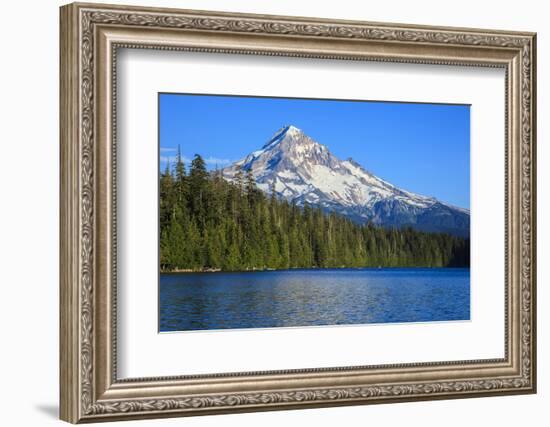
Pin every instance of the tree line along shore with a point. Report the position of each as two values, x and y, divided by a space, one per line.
210 224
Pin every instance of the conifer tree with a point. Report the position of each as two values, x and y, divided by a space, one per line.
180 179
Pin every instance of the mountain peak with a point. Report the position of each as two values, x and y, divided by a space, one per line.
292 130
282 133
304 171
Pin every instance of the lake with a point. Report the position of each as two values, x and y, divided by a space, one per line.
312 297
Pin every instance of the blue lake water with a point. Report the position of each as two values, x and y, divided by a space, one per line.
270 299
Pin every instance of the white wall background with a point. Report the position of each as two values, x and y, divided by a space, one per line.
29 171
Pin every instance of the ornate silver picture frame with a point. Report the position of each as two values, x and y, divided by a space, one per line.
91 34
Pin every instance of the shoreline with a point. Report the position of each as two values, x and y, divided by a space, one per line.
257 270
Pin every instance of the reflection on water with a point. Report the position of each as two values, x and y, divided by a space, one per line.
198 301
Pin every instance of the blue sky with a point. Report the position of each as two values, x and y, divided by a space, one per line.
423 148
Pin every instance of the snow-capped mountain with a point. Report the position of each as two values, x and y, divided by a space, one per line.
302 170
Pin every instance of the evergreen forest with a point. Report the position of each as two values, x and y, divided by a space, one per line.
208 223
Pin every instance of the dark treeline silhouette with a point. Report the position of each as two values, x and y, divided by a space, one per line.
209 223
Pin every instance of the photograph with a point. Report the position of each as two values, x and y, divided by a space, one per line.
293 212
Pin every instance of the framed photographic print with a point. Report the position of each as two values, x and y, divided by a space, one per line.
288 234
264 212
